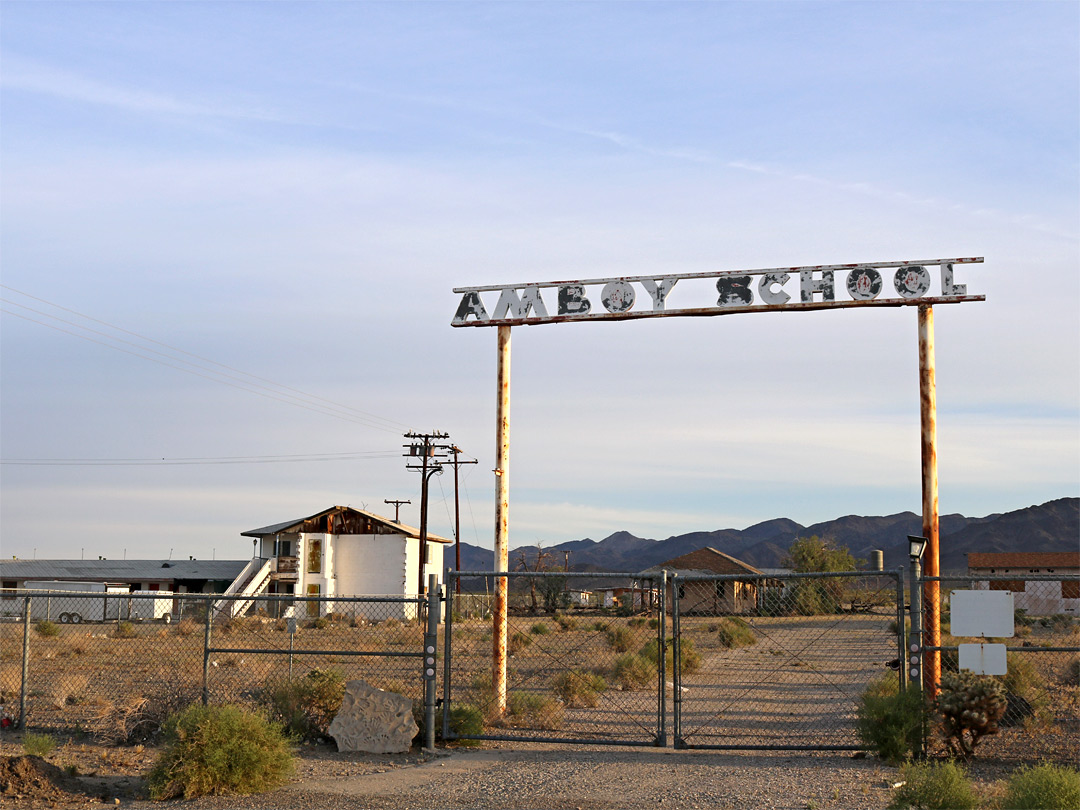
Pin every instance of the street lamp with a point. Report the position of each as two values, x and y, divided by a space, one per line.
916 547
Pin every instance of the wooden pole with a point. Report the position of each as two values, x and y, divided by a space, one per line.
931 558
502 518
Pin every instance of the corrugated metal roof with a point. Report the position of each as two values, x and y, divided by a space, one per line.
1024 559
294 526
121 570
705 561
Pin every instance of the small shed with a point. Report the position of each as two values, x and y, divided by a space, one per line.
1037 598
712 597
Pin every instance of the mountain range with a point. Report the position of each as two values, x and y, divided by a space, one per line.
1052 526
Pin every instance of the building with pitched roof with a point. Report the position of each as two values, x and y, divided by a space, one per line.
1035 597
713 597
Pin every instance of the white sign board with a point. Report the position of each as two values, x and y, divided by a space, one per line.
984 659
983 614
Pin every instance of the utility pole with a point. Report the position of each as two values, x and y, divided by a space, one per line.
457 513
424 446
397 506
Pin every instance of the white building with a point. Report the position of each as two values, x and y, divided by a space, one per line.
1037 598
341 551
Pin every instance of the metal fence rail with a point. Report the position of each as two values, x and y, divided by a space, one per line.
780 662
128 657
1042 686
579 669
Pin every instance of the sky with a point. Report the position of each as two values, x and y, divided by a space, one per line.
230 234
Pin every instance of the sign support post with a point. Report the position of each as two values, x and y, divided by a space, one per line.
502 517
930 526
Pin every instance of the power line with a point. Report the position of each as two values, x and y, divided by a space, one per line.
235 378
168 462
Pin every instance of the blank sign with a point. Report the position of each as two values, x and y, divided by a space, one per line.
984 659
983 614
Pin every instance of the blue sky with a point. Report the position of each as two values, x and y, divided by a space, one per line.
292 190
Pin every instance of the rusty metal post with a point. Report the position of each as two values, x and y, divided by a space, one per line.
502 519
931 566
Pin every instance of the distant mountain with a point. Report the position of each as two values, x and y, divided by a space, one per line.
1052 526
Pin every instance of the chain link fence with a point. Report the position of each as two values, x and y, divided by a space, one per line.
780 662
582 661
1042 683
116 665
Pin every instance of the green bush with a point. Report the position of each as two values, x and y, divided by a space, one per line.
466 721
47 629
565 622
1044 787
632 672
890 720
533 710
578 687
735 632
124 630
38 745
620 638
518 642
689 658
213 750
306 706
934 786
539 629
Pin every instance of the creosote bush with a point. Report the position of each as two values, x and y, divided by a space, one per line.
578 687
890 720
47 629
689 658
219 750
735 632
124 630
38 745
1044 787
306 706
466 720
632 672
518 642
531 710
620 638
934 786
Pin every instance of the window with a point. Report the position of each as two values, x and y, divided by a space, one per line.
313 607
1014 585
1070 589
314 556
13 583
721 589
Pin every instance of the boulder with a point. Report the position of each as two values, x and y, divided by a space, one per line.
373 720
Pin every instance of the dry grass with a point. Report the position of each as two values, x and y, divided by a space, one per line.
68 688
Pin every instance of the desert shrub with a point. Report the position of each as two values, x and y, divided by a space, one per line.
533 710
600 627
654 623
68 687
140 718
1058 623
624 610
539 629
38 745
890 721
689 658
620 638
1044 787
632 672
934 786
307 705
1072 673
637 621
466 721
124 630
735 632
578 687
1021 619
565 622
970 706
319 623
47 629
1025 690
518 642
184 628
390 623
219 750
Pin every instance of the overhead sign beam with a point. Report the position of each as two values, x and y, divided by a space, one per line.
837 286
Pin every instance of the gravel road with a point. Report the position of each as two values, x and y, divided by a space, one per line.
589 778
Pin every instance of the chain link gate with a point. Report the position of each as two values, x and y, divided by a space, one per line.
780 661
583 666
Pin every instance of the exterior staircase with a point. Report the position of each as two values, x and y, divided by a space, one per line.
252 581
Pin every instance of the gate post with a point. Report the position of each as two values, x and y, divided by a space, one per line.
448 635
916 655
431 640
206 653
25 662
661 717
676 656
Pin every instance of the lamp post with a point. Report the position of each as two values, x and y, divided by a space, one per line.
915 654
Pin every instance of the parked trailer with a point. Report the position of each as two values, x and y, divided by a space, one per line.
75 602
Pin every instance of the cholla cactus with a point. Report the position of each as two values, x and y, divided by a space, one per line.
971 706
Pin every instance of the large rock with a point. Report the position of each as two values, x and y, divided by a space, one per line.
373 720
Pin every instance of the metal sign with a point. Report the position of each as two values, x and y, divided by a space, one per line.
838 286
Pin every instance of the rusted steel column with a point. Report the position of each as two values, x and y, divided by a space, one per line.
502 518
931 566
